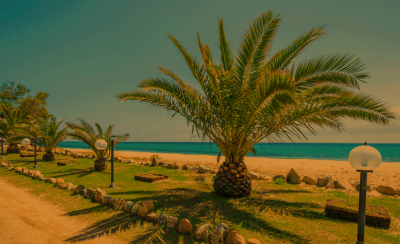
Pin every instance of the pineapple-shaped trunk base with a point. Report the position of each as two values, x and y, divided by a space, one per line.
13 148
100 164
233 180
49 156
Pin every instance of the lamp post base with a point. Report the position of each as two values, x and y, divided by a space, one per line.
35 166
112 185
359 242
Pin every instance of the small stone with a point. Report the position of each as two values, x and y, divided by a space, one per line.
195 168
309 180
387 190
155 162
357 186
111 202
186 167
83 192
135 208
152 217
128 206
146 164
162 219
62 186
234 237
145 207
36 174
185 227
99 194
203 169
177 166
323 180
69 186
279 176
105 199
18 169
170 166
253 241
398 191
202 232
79 188
52 181
254 175
342 184
219 233
172 222
59 182
293 177
119 204
265 177
62 163
90 193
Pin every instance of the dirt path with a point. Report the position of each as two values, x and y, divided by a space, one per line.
25 218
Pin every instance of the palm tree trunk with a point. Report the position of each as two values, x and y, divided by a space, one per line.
13 148
49 156
233 180
100 164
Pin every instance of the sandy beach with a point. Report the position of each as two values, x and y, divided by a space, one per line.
385 174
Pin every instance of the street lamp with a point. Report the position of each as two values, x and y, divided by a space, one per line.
364 159
26 142
2 150
102 145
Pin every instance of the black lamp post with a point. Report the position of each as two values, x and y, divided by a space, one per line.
364 159
2 147
102 145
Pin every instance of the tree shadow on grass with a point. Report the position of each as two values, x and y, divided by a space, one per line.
79 172
201 207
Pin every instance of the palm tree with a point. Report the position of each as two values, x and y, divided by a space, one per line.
11 119
256 95
46 133
87 134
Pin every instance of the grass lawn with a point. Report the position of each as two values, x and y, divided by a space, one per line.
272 214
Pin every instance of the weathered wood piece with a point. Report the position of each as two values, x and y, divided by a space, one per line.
375 215
150 177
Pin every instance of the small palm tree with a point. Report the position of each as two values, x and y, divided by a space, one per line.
256 95
87 134
46 133
11 119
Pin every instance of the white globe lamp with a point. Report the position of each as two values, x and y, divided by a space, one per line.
101 144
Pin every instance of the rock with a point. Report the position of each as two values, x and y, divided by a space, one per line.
170 166
219 234
30 173
146 164
177 166
342 184
293 177
162 219
185 227
69 186
155 162
357 186
83 192
323 180
130 161
36 174
105 199
398 191
93 156
309 180
18 169
254 175
186 167
4 164
99 194
79 188
10 167
52 181
59 182
172 222
234 237
24 171
118 159
119 204
265 177
387 190
203 169
62 186
151 217
145 208
214 171
162 164
202 232
253 241
195 168
135 208
90 193
279 176
62 163
128 206
111 202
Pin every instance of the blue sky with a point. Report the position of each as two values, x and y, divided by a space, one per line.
85 52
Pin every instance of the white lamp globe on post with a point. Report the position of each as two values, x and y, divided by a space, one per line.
364 159
26 142
102 145
2 149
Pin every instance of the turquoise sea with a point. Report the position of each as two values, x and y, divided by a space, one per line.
333 151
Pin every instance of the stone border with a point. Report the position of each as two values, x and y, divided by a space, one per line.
220 234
